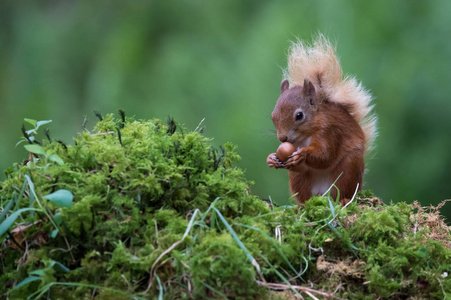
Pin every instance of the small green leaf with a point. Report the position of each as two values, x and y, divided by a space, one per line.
61 197
4 226
29 132
54 157
57 218
423 252
36 149
40 123
30 121
54 233
26 281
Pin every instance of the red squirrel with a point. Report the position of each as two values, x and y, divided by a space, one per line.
328 120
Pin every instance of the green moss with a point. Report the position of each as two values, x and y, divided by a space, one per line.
159 211
218 264
374 226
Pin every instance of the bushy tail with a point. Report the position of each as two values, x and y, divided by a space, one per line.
319 63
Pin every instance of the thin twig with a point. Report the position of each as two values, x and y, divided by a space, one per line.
353 197
154 267
62 249
198 126
311 295
307 290
103 133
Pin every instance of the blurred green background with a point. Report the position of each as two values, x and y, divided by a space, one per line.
222 60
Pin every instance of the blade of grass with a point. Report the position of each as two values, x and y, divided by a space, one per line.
153 269
160 293
331 205
338 194
276 210
353 197
280 276
212 219
26 281
44 210
198 126
39 293
240 244
214 290
6 209
209 208
299 275
332 185
31 194
272 204
4 226
15 201
22 191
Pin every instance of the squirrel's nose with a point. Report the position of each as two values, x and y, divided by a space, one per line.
283 138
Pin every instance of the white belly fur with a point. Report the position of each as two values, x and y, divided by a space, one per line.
320 182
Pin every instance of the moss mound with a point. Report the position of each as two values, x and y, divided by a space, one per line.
144 210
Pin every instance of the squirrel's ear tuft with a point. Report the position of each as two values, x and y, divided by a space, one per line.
308 89
284 86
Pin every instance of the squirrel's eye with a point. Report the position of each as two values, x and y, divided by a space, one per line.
299 116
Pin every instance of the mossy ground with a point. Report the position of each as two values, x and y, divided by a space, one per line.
157 212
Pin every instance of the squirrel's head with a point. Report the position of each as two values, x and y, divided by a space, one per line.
294 112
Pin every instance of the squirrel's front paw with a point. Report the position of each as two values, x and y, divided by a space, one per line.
294 159
273 161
